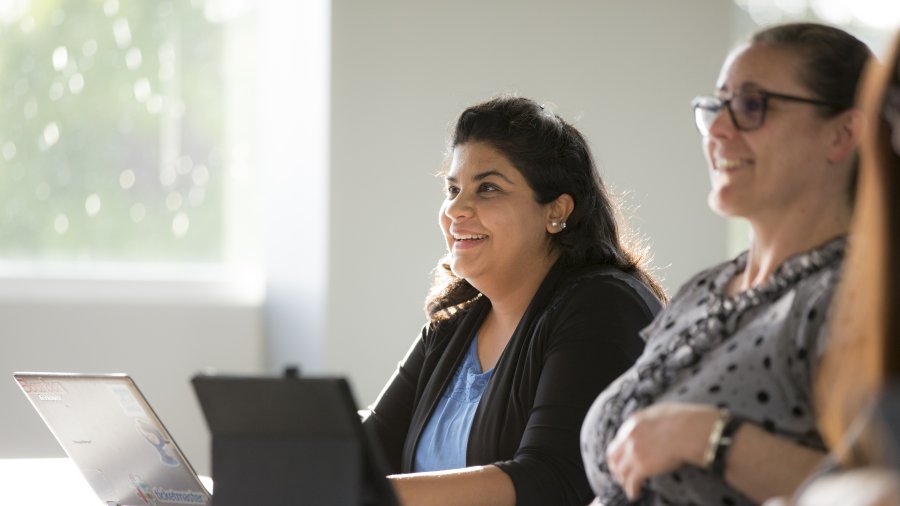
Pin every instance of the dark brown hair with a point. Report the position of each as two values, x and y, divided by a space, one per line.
833 60
554 158
863 350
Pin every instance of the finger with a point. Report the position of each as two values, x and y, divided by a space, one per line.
632 476
633 486
615 471
631 482
614 450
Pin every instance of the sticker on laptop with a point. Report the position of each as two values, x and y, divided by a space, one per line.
42 390
143 490
127 401
163 446
155 496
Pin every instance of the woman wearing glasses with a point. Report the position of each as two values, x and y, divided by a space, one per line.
718 409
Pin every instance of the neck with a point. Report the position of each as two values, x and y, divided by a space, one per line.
782 237
510 297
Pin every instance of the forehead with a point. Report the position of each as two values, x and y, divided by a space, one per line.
762 66
474 158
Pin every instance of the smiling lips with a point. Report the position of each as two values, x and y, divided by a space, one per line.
465 241
731 164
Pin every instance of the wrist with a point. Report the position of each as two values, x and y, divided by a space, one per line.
697 429
714 437
721 438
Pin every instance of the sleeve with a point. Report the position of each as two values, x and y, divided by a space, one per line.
592 340
390 415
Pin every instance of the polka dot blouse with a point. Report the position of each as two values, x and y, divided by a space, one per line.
754 353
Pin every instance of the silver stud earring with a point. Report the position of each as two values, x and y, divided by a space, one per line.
562 226
554 224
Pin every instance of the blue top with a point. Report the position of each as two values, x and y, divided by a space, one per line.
446 436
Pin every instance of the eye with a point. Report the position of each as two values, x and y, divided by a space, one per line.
749 104
452 191
488 187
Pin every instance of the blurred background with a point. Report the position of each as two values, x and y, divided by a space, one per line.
241 185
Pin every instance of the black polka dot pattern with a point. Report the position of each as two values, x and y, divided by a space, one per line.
760 369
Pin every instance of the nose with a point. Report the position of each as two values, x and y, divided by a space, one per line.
459 207
722 125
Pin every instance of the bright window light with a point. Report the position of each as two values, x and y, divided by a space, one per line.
125 132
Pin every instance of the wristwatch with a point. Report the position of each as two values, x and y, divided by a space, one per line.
720 439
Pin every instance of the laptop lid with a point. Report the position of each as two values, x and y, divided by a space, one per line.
290 441
108 429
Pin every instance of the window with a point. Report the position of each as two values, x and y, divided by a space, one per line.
126 131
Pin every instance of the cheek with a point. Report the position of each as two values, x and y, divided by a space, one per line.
708 148
443 220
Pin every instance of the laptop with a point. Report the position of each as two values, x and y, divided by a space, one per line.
111 433
291 440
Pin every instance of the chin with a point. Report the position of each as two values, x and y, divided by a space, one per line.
723 206
458 268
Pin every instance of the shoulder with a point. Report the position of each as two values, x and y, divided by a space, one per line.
688 303
812 295
811 306
704 280
603 289
816 290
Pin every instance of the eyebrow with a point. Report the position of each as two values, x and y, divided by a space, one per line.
484 175
746 85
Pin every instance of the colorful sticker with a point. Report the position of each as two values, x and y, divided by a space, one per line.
143 490
155 496
169 496
153 436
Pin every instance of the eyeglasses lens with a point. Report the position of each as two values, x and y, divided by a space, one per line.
748 109
745 109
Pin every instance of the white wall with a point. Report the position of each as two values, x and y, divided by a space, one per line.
159 333
624 71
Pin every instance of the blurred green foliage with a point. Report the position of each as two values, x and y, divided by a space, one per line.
129 86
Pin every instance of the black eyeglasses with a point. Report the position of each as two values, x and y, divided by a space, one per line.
746 108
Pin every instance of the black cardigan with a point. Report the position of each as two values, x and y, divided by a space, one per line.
578 334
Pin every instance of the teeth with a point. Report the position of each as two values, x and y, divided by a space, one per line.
724 163
468 237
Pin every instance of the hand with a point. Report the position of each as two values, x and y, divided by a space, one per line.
657 440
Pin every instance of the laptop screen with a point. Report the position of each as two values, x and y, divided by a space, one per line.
111 433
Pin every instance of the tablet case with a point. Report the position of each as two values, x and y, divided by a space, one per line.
290 441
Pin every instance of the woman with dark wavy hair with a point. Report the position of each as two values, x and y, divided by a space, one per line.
535 309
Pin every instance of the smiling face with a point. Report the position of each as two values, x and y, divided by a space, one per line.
496 232
782 166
